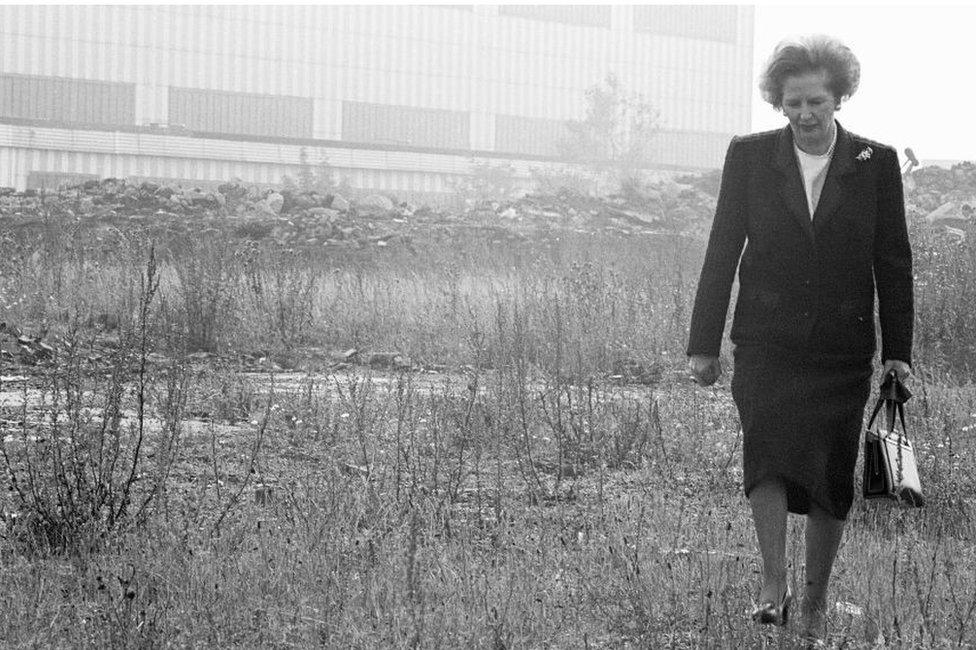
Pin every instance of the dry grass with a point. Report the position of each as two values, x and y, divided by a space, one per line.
522 500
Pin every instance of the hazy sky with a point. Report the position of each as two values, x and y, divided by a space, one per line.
918 71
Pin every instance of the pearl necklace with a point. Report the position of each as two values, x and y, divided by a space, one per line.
826 154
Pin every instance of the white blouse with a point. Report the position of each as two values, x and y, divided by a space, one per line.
814 172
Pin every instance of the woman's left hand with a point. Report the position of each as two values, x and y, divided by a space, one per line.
902 369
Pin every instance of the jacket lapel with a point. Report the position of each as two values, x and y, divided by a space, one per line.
834 189
791 189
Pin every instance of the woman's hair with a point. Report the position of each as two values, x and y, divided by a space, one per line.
810 54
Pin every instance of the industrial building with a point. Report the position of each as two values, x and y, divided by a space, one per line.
394 98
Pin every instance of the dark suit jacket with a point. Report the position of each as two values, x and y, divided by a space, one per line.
808 286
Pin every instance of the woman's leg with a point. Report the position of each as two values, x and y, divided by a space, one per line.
768 501
823 536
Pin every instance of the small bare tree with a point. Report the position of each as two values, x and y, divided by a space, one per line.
615 137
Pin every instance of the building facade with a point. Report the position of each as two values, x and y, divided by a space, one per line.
394 98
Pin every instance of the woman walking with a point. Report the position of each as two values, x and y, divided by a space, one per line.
817 215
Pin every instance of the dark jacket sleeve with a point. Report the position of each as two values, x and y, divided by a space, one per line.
893 265
725 244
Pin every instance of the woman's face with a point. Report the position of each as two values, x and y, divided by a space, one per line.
809 106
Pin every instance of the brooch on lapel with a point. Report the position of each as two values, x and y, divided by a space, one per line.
865 153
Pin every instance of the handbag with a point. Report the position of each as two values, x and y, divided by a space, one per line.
890 470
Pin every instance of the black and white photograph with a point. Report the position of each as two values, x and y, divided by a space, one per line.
498 326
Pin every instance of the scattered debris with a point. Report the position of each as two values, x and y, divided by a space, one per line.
943 199
377 202
308 219
938 198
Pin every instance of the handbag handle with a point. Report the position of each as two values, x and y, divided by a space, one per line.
894 406
893 395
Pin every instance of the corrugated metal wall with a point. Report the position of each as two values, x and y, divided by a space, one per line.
240 113
687 148
711 22
216 161
543 137
81 101
403 125
415 56
25 149
458 78
50 169
591 15
54 180
525 135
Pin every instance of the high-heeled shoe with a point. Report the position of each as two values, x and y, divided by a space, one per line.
769 612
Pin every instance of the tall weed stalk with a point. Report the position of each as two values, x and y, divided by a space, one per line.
77 463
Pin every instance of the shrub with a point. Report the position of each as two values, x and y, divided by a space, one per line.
945 292
208 273
80 472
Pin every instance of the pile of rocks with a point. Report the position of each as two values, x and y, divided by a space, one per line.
930 187
310 219
290 217
19 347
944 199
666 207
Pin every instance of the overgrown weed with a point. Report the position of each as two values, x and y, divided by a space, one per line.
77 459
563 486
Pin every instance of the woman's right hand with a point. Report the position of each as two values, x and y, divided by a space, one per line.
705 370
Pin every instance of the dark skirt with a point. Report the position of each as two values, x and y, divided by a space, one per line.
801 416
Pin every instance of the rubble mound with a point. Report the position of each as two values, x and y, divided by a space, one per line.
930 187
944 199
298 218
309 219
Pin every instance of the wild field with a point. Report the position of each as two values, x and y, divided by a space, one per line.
203 461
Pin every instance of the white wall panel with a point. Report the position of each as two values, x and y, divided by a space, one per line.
29 21
53 142
46 57
539 68
327 118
